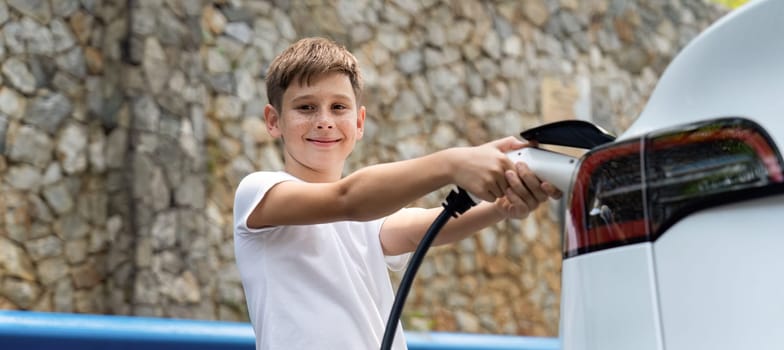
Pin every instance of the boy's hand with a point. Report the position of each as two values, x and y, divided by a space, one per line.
524 194
481 170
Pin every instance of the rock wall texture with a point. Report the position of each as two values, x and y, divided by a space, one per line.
125 126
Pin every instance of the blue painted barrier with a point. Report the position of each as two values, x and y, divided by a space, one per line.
56 331
467 341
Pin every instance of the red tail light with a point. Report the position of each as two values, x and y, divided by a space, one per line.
632 191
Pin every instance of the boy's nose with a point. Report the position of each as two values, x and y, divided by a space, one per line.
324 121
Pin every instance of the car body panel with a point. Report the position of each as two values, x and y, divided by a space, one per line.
609 300
719 278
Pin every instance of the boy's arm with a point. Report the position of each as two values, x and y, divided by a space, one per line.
403 230
383 189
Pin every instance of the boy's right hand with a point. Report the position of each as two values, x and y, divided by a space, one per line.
480 170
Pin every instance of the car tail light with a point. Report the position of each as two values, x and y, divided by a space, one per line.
632 191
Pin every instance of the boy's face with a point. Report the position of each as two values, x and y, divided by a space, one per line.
319 123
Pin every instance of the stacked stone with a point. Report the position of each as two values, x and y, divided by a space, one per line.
64 239
183 256
124 132
238 44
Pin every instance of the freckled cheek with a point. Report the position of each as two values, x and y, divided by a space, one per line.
301 125
346 120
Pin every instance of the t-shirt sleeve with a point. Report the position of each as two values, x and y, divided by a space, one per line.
249 194
397 262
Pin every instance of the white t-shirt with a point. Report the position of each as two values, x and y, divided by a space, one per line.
322 286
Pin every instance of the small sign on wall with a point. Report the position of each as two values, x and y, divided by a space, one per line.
565 99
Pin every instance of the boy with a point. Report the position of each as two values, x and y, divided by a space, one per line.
313 247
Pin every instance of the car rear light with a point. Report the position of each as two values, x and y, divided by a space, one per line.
632 191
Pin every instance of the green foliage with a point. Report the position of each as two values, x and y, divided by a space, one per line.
416 320
730 3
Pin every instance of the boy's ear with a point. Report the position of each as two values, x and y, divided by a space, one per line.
272 121
360 122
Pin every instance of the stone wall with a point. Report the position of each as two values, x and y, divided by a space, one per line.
66 241
126 125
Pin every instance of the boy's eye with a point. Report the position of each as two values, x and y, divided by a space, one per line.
306 107
339 106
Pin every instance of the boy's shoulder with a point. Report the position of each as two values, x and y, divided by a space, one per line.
254 186
262 180
266 175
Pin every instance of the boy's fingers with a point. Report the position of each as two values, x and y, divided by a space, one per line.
508 143
514 198
551 190
520 193
496 186
531 182
518 207
515 184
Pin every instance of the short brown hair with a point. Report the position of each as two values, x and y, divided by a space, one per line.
306 59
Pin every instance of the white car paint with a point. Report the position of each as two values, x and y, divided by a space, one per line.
719 278
610 301
712 280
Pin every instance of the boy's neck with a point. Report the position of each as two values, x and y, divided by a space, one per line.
314 175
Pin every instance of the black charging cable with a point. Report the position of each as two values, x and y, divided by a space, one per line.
456 204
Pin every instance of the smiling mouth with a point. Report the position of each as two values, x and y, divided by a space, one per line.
323 142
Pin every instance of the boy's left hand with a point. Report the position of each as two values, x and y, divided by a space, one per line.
524 194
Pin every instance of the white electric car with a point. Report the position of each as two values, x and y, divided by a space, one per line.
674 232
